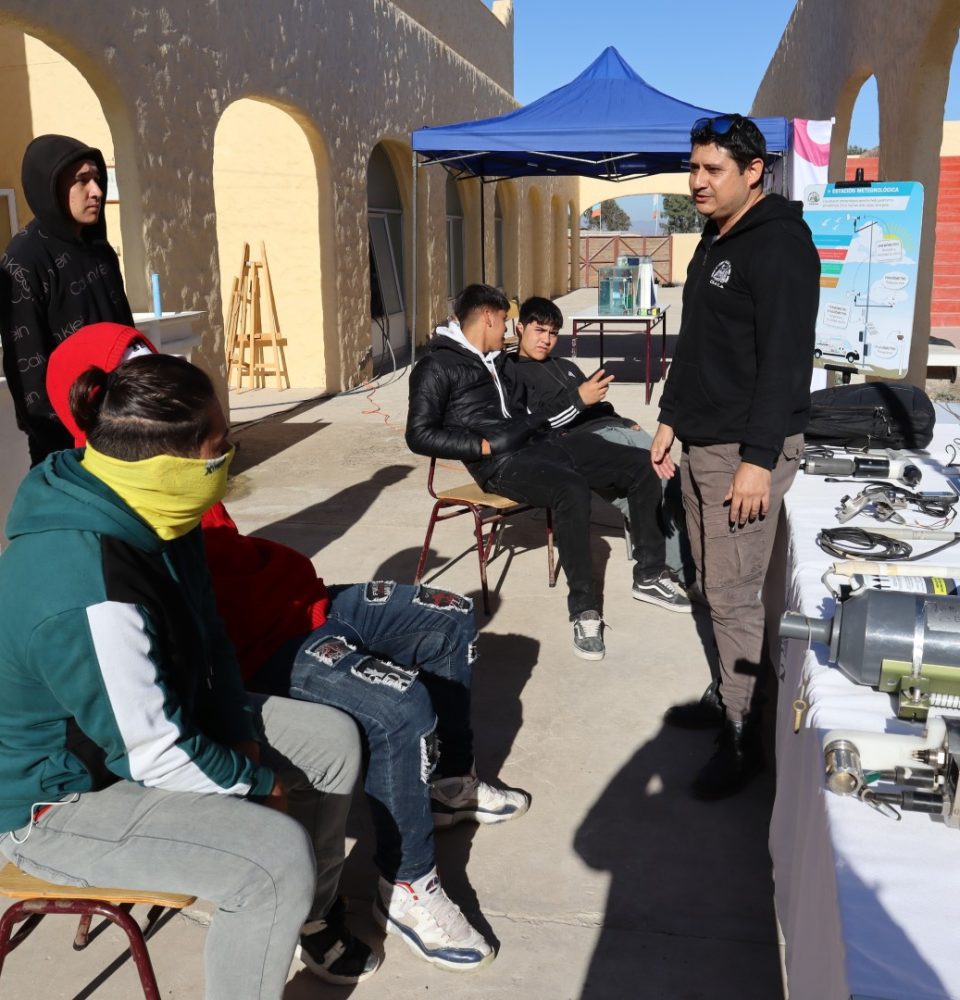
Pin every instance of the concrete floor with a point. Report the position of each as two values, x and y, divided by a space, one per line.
616 885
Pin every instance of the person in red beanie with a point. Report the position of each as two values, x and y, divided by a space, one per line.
397 658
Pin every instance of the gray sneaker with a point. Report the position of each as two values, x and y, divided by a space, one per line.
664 592
588 636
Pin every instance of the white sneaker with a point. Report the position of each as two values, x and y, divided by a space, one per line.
431 923
467 797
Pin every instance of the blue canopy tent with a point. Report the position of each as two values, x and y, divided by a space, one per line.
607 123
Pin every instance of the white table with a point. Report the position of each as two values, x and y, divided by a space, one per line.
869 908
172 332
593 322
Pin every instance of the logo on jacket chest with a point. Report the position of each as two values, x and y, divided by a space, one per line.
721 274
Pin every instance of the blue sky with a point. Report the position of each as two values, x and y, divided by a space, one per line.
703 51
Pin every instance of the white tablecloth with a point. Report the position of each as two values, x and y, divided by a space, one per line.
869 907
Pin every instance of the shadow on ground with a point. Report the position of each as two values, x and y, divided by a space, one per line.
263 439
310 530
690 909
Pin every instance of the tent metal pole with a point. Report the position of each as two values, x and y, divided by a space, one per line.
413 270
483 237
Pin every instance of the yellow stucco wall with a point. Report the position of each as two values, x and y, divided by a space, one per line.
683 246
950 144
348 74
592 192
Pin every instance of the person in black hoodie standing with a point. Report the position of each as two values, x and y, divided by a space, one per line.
58 274
737 397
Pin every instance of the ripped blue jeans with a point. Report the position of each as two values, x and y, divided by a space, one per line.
396 658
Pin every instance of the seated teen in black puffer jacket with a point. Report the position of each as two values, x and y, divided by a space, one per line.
460 408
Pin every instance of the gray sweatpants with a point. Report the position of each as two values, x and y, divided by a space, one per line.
731 563
670 515
267 872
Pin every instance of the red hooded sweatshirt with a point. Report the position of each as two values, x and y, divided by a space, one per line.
266 592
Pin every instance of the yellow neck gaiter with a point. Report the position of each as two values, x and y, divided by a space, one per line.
171 494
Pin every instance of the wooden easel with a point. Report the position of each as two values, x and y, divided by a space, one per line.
248 342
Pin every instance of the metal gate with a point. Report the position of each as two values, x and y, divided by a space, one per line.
597 249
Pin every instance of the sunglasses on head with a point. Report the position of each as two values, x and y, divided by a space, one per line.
720 125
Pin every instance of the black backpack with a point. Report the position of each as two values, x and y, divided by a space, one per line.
872 415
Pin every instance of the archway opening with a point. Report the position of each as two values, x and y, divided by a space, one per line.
863 138
506 204
276 202
558 247
45 93
385 223
454 225
533 241
498 240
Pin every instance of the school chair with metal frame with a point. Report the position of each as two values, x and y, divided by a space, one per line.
39 899
487 509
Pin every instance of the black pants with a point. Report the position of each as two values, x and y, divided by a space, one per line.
560 473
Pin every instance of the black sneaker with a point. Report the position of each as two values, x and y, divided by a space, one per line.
588 636
331 952
664 592
707 713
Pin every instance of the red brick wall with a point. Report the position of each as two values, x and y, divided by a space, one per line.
945 306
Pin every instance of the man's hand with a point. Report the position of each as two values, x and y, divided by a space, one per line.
250 749
277 799
595 388
749 493
663 465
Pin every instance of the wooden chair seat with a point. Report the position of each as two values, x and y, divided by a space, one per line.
18 884
38 898
488 510
471 493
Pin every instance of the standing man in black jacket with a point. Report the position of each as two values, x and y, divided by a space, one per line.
460 408
738 396
58 273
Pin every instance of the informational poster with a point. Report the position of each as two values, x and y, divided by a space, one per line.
868 239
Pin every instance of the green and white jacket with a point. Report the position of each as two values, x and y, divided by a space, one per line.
113 661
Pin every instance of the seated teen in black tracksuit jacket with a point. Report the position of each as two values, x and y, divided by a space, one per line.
545 384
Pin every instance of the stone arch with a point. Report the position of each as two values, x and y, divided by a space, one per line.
469 192
558 247
50 85
455 236
532 242
509 202
592 191
910 52
573 245
285 200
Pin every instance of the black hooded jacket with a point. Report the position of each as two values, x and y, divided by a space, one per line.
741 372
455 404
52 282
